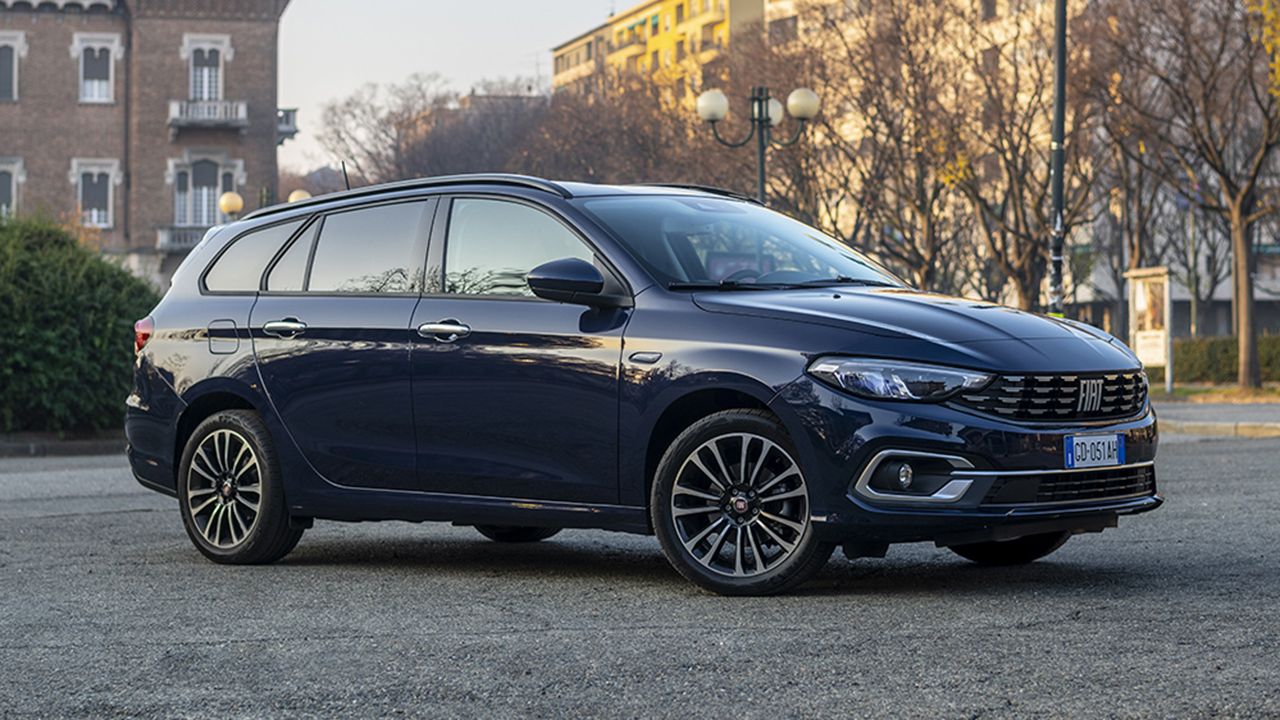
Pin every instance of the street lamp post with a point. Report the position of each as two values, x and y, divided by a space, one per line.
766 113
1058 157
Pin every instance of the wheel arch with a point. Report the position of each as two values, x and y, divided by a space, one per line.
203 401
690 406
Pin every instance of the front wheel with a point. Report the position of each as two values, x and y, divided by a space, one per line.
730 507
231 492
1018 551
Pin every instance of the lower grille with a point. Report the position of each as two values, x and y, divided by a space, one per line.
1067 487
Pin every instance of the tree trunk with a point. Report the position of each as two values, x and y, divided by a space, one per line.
1247 371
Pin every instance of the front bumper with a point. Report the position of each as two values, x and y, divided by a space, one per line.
999 474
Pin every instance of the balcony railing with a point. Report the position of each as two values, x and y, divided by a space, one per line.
179 237
286 124
232 114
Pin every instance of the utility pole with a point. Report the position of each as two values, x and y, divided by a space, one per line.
1058 158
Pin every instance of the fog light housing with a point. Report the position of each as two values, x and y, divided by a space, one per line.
905 476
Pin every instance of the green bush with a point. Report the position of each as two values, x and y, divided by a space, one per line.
1213 360
66 331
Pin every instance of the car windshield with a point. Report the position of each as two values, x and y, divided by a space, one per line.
695 242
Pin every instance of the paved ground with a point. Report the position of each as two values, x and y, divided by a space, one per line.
1214 412
106 610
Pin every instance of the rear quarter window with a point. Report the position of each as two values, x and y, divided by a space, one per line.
239 267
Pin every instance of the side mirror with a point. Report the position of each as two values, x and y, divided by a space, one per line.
570 280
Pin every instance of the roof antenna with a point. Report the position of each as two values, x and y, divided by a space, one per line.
345 179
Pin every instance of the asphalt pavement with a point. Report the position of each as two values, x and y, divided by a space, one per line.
106 610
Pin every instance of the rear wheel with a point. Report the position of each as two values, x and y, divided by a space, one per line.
730 506
515 534
1018 551
231 493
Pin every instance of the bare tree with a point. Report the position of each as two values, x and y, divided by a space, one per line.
1200 86
885 78
1003 167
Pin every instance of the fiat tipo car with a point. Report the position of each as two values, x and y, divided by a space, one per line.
524 356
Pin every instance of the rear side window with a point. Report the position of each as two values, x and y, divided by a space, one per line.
493 244
239 267
290 271
371 250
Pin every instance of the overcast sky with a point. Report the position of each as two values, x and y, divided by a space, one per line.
328 48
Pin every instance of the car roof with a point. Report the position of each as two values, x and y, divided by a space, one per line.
564 190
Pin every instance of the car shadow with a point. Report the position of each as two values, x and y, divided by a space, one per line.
638 562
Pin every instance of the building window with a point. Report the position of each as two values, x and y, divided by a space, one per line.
13 47
197 185
783 30
988 9
96 54
206 75
11 175
680 13
206 55
95 180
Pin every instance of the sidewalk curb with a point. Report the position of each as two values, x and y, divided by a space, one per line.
1221 429
53 448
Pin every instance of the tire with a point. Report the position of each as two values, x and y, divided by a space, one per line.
1018 551
701 507
516 534
231 492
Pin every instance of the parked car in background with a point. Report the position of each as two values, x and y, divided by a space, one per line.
525 356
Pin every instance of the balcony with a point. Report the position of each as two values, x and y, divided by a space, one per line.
208 114
286 124
179 238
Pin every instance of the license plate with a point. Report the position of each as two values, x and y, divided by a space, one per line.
1083 451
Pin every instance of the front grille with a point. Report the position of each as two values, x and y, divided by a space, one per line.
1079 486
1050 398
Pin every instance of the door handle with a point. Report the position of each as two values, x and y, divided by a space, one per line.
286 328
445 330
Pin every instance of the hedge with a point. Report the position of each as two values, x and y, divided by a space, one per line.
1213 360
66 331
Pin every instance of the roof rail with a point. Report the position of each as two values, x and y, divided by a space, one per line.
711 189
426 182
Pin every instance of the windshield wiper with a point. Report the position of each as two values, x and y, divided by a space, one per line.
843 280
723 285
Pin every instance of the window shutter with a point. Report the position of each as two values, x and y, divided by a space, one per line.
6 193
7 59
93 191
97 64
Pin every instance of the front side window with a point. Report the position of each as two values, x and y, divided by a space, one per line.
371 250
239 267
712 240
95 75
493 244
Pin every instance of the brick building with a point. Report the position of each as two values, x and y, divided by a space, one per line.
132 117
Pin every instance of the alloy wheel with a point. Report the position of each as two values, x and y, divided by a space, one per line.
740 505
224 488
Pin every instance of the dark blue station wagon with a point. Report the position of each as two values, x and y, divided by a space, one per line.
524 356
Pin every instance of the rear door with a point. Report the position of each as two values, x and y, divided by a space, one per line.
331 336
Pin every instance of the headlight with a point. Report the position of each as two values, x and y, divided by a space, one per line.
892 380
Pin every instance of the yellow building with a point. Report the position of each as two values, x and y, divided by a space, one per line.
660 38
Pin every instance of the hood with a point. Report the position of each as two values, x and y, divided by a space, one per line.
972 328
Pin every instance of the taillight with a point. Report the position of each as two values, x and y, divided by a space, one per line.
142 331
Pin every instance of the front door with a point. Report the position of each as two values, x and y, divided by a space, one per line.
333 344
514 396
